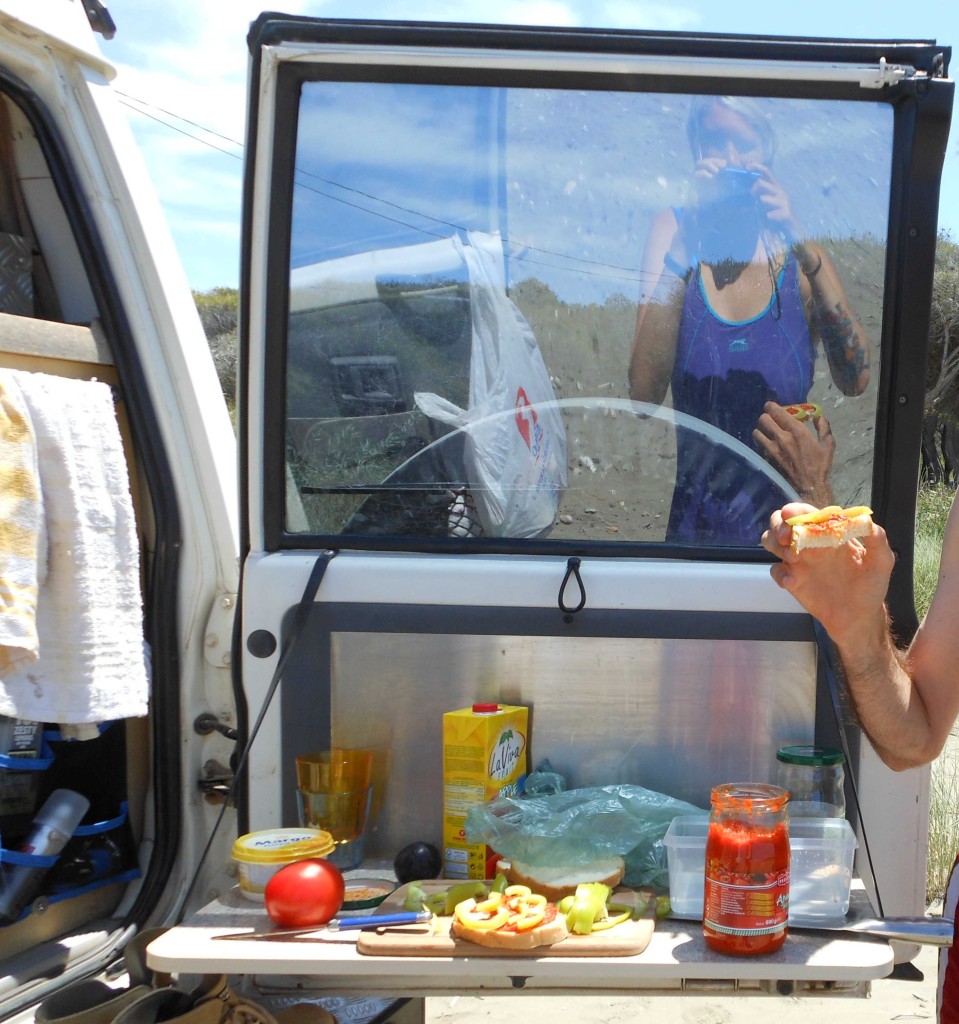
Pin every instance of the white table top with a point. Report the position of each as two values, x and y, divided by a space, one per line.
677 951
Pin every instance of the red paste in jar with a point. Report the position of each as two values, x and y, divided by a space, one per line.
746 902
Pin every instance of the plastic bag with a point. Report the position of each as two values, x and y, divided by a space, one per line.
573 828
515 447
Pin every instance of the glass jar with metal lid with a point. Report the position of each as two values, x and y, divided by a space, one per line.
814 777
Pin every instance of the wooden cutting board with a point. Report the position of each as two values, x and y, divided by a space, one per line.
436 938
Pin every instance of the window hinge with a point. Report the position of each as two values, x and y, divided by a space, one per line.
218 636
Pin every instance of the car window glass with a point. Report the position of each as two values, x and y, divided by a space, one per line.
562 314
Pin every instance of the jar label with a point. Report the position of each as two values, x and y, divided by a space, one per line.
746 904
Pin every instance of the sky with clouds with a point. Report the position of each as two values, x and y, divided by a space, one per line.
182 73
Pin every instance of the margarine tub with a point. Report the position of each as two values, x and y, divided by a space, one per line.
260 854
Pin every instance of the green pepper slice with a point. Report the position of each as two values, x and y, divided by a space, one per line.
589 906
463 891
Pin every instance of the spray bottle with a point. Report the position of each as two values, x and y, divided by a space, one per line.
50 831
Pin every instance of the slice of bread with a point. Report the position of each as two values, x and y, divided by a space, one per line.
830 527
555 883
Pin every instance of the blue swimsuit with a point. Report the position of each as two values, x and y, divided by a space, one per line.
724 374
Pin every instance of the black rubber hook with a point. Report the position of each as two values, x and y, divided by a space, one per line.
572 569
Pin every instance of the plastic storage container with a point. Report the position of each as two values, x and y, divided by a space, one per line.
822 852
259 855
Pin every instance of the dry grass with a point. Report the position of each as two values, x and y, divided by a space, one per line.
931 513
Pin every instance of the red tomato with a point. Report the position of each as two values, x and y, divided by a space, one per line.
304 893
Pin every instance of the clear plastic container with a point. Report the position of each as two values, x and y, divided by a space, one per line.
814 777
822 852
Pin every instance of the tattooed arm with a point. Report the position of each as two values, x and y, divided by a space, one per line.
844 341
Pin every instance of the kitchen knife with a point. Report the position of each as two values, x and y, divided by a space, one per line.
924 931
336 924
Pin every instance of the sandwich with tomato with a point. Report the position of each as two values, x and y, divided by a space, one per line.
829 527
516 918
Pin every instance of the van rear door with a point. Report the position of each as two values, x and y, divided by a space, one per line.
444 238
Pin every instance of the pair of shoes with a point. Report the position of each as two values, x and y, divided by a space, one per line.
94 1002
214 1002
151 998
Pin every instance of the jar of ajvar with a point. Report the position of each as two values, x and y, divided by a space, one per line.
746 903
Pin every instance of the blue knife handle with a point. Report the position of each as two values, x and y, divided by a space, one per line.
379 920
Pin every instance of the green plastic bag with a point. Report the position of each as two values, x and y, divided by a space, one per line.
575 827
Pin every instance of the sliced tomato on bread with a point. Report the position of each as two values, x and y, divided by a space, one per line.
515 919
829 527
804 410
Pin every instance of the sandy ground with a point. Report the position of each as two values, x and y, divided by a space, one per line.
889 1000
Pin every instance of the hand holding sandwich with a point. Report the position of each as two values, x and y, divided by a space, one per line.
843 585
906 702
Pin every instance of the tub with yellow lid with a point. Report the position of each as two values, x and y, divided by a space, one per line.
259 855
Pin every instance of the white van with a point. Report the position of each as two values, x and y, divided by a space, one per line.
450 483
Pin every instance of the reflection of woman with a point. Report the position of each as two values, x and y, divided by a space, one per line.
736 306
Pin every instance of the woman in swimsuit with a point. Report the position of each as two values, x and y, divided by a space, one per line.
737 304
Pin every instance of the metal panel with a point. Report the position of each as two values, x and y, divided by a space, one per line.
675 716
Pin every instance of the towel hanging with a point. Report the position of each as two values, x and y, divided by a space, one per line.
91 664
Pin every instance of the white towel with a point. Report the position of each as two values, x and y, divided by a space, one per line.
91 664
20 531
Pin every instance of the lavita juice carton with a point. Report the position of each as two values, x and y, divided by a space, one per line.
484 756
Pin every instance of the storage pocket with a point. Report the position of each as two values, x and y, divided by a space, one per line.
102 850
100 853
25 755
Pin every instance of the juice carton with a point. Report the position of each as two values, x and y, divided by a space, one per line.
484 756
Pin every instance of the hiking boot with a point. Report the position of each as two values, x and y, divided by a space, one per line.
94 1002
214 1002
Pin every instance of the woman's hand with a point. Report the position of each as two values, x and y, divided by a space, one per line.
803 458
775 203
708 167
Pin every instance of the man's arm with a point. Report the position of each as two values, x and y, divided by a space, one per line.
906 704
933 656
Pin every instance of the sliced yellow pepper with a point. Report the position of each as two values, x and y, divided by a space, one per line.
535 916
470 916
518 890
611 922
491 904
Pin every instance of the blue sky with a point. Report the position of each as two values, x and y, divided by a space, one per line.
182 70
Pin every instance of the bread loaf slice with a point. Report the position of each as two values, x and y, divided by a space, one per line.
555 883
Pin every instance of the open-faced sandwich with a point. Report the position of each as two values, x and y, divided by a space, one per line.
514 919
829 527
518 918
804 410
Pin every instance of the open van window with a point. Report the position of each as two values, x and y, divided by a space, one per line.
661 353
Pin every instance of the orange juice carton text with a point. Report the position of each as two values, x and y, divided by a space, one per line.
484 756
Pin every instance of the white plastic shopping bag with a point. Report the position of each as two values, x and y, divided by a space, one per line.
515 447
